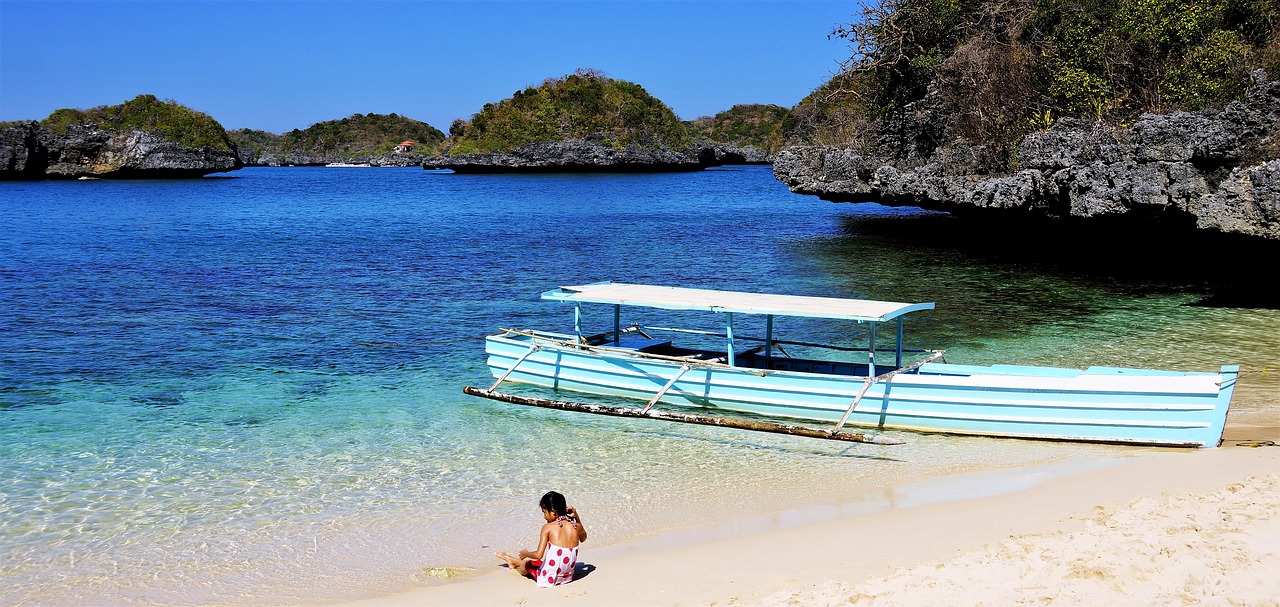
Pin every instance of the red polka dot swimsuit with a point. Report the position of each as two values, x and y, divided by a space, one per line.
557 563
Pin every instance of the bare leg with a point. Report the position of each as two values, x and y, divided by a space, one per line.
514 563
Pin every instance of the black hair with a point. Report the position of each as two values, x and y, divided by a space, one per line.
554 502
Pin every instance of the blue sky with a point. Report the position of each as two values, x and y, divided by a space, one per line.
281 65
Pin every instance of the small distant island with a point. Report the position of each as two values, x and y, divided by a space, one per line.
373 139
585 122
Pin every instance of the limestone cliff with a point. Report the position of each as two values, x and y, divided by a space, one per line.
1205 171
28 151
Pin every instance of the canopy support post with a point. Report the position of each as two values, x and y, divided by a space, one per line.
871 352
658 396
768 342
577 320
729 334
898 360
617 324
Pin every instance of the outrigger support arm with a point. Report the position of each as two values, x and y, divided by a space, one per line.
532 349
872 380
656 397
672 416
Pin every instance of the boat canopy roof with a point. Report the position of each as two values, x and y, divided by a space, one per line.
679 298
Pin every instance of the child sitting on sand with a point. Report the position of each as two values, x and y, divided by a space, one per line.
553 562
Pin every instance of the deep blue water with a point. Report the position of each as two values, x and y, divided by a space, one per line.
246 389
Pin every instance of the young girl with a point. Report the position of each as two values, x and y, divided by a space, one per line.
553 562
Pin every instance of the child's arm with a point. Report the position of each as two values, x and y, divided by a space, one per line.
544 536
582 529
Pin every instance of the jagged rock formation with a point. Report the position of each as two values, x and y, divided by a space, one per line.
22 155
578 155
1206 170
28 151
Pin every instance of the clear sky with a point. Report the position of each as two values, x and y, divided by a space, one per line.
281 65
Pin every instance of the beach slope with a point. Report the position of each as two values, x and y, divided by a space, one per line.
1161 527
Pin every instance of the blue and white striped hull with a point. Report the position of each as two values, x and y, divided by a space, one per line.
1099 404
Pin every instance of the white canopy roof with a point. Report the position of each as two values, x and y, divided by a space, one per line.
678 298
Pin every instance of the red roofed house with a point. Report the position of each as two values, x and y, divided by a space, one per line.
405 146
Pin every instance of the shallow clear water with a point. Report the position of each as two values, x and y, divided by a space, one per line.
247 389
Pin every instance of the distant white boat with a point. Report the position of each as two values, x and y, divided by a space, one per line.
348 165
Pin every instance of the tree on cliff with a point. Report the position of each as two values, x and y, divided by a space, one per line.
1004 68
582 105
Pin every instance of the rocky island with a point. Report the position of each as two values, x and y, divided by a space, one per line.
141 138
373 139
583 122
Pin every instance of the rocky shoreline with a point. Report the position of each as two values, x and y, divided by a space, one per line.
289 160
30 152
1185 171
584 156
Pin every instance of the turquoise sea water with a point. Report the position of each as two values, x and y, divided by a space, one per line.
245 389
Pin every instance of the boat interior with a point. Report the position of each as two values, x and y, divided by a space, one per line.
752 358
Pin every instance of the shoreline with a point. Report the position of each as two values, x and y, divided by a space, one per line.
816 552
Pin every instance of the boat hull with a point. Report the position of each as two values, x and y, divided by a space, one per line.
1098 404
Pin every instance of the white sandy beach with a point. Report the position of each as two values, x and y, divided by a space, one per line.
1168 526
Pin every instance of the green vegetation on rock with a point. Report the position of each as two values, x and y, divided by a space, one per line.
755 125
1003 68
357 135
582 105
174 122
252 143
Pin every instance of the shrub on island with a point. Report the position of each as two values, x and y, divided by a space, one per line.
174 122
585 105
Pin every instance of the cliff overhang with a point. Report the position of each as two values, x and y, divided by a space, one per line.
1206 171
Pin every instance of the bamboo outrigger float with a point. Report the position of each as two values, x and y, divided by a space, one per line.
1099 404
687 418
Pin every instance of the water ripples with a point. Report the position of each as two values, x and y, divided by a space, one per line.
246 391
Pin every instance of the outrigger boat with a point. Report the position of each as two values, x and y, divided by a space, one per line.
1098 404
